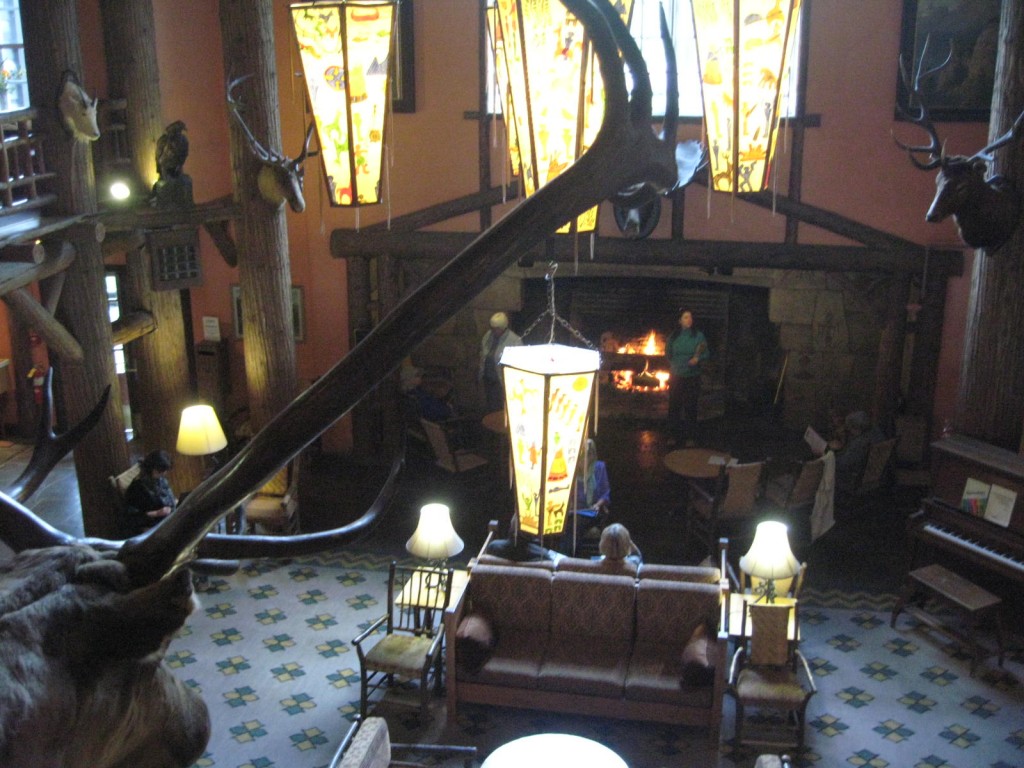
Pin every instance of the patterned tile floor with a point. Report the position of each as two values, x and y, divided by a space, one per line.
271 652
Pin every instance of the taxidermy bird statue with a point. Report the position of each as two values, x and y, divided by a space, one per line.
174 187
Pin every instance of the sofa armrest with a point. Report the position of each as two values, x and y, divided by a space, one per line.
453 615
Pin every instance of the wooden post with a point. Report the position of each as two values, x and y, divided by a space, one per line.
161 358
51 47
890 351
990 404
247 30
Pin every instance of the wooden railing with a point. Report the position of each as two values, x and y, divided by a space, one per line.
22 166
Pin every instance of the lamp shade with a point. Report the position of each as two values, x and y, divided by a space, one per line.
548 391
769 556
200 433
345 49
742 50
554 88
435 537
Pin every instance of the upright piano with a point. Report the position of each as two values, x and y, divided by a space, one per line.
986 552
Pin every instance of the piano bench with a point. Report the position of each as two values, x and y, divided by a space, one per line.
964 596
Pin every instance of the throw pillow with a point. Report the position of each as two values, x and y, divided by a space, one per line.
474 641
698 668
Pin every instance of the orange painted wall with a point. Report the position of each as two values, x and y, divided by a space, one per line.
851 164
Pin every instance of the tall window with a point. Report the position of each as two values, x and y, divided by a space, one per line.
13 84
646 30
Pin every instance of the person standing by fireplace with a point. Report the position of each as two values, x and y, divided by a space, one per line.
687 350
491 346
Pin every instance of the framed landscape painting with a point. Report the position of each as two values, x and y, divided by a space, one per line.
966 31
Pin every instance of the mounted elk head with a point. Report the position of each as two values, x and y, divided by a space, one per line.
280 179
986 210
77 110
57 649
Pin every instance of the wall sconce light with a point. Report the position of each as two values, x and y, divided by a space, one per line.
770 558
435 538
200 433
345 49
743 48
554 88
548 390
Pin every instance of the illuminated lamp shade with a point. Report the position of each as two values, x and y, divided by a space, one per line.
435 538
548 391
742 50
544 60
345 49
770 557
200 433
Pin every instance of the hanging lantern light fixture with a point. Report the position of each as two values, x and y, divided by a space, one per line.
743 47
345 49
555 89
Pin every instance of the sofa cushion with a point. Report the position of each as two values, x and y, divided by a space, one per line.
513 598
592 668
591 605
699 574
514 662
667 612
597 565
698 658
474 641
658 678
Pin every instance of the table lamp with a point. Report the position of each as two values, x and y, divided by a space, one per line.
770 558
435 538
200 433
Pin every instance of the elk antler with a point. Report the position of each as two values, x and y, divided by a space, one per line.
280 178
919 115
623 153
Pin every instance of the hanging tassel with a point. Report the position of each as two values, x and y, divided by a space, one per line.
387 184
593 240
597 397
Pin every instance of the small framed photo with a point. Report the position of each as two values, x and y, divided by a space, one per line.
298 312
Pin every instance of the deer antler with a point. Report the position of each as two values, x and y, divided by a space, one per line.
623 153
919 115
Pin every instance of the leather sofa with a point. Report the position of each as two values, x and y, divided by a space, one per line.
591 637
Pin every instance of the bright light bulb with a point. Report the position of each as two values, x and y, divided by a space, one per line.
120 190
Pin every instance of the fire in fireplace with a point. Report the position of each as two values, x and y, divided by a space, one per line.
639 365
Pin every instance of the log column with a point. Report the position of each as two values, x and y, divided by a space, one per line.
161 358
247 30
990 404
51 47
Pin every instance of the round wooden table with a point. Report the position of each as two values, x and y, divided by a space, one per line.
553 750
697 463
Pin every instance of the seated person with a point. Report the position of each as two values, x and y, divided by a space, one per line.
853 456
593 496
617 544
149 498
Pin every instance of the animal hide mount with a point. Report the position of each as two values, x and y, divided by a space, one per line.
77 110
986 209
54 663
280 179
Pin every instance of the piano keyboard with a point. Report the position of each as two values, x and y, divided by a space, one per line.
973 546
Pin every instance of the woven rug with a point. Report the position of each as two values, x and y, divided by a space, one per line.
271 652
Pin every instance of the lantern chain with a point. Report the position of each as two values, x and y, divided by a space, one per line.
549 276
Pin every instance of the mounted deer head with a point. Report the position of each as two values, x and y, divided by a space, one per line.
280 179
69 663
77 110
986 210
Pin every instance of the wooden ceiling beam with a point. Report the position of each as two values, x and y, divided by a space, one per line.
707 254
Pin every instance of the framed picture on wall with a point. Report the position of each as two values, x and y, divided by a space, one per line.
298 312
403 71
967 31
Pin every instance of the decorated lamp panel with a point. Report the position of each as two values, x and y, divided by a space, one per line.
345 49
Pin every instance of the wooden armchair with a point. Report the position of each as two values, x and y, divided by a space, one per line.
446 455
768 672
274 508
413 633
368 745
731 506
796 489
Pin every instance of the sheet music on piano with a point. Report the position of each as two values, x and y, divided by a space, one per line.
999 507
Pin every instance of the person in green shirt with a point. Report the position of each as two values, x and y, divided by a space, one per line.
687 351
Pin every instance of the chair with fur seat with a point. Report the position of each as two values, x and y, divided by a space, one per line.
368 745
413 633
768 672
274 508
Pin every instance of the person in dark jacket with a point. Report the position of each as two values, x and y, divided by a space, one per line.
687 349
149 498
